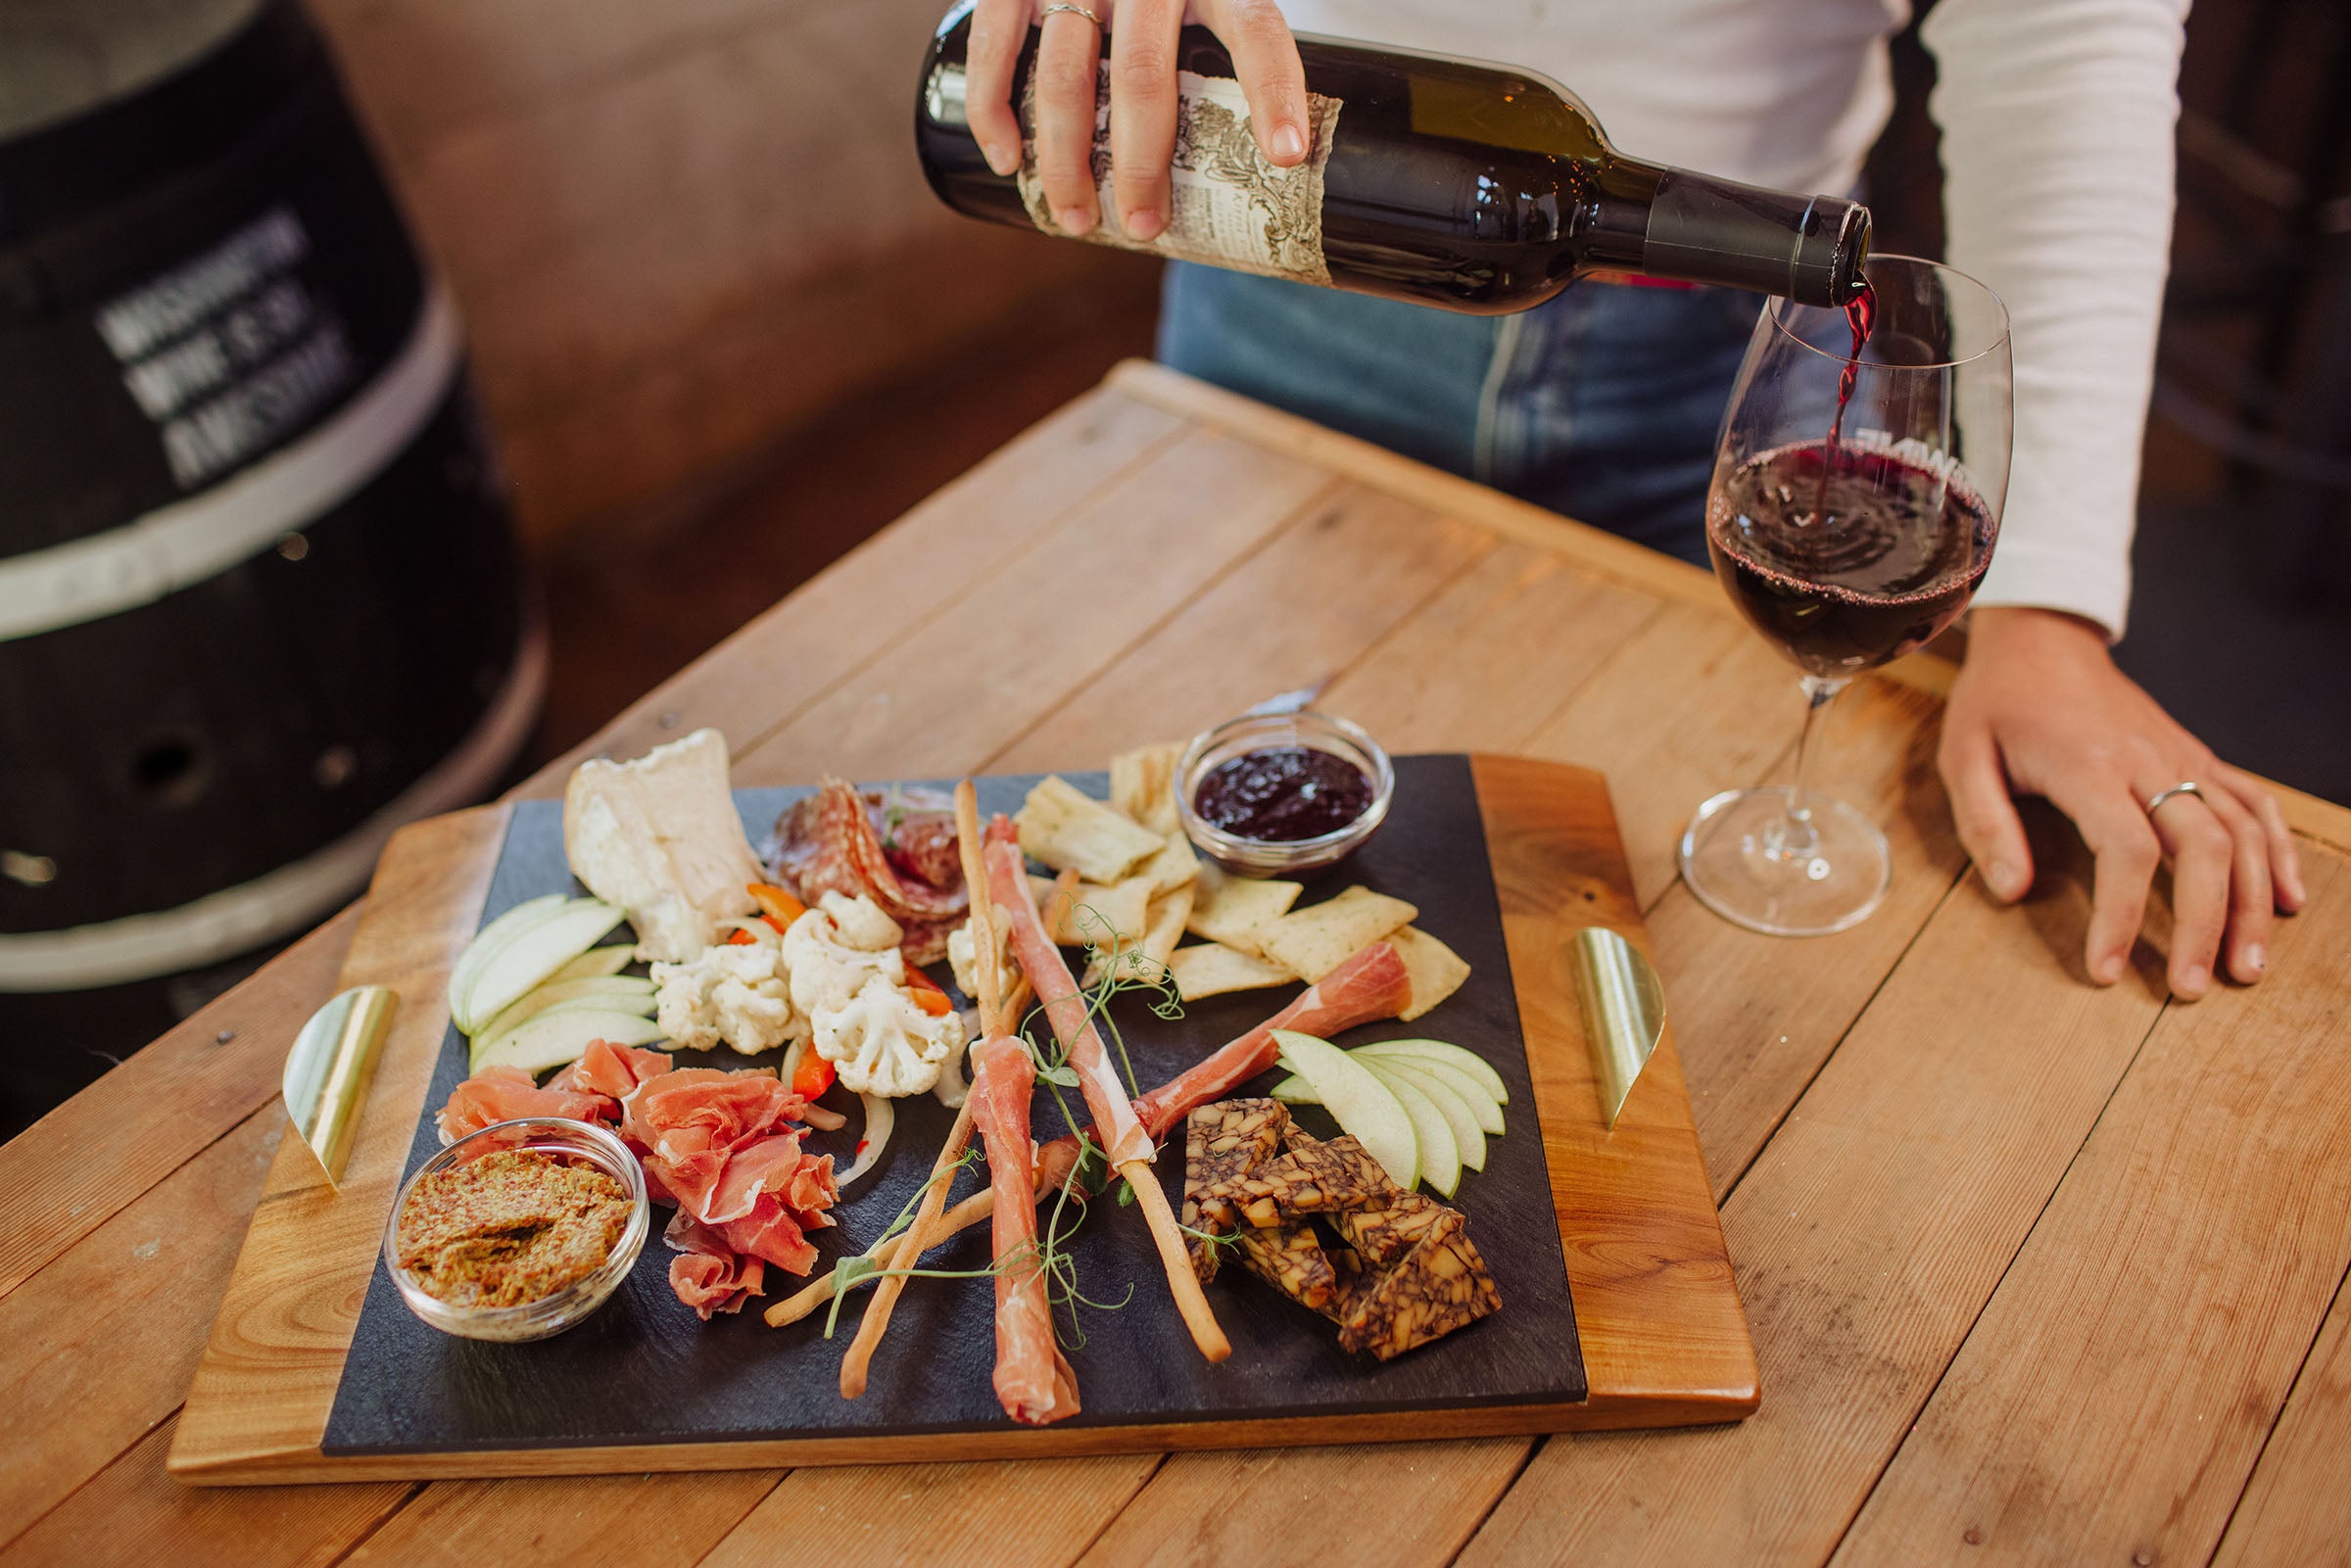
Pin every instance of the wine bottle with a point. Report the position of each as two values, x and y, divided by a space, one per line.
1475 188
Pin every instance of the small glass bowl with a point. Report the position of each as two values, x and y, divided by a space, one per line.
550 1314
1320 731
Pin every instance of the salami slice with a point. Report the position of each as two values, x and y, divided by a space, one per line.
826 844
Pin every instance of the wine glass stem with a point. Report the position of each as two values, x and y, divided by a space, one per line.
1793 836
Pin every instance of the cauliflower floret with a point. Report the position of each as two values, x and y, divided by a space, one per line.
963 951
834 948
882 1042
861 922
732 992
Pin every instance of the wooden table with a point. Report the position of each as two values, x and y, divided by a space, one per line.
2036 1269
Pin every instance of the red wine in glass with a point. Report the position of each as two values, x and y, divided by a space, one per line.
1848 553
1847 557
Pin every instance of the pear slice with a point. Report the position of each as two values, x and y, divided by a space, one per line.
1295 1090
516 969
1469 1061
490 939
1467 1137
1440 1155
558 1035
597 963
618 994
1361 1103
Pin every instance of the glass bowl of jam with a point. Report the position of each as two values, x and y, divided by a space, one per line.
519 1232
1276 794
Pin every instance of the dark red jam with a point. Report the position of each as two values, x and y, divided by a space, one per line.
1281 795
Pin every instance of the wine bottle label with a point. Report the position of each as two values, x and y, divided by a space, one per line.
1230 208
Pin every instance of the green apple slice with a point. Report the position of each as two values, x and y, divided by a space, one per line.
517 968
493 936
1472 1092
597 963
619 994
1469 1061
1467 1137
1295 1090
559 1035
1440 1155
1361 1103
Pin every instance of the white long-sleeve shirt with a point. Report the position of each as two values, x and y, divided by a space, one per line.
2057 119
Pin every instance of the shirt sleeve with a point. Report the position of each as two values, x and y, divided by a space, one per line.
2057 119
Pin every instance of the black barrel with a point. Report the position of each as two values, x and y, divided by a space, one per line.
259 599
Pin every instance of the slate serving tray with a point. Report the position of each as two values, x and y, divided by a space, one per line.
644 1370
313 1372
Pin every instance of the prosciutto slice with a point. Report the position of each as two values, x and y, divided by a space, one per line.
1034 1380
722 1147
708 1275
1116 1125
826 844
716 1144
502 1094
1371 985
612 1071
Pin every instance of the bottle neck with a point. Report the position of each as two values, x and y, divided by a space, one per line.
1672 223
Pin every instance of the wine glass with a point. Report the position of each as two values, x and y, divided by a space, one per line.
1856 495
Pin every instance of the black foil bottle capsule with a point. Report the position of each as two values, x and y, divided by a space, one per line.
1447 182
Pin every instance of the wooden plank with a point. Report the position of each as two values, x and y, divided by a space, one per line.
1592 548
1204 403
1500 650
1759 1015
1868 1236
1634 1208
862 604
269 1372
161 1108
103 1341
607 1519
1006 1514
1306 605
2297 1509
1377 1507
134 1515
2115 1394
1692 704
1044 620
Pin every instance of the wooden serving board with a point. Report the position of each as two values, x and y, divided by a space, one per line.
1662 1337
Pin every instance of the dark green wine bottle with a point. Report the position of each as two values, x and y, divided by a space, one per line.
1446 182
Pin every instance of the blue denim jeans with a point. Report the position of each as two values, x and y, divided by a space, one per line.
1604 404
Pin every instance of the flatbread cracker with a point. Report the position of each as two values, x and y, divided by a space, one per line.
1064 827
1092 914
1146 960
1233 910
1211 969
1142 785
1436 971
1313 941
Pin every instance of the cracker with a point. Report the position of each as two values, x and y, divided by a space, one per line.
1211 969
1313 941
1142 785
1435 969
1063 826
1087 913
1146 958
1234 909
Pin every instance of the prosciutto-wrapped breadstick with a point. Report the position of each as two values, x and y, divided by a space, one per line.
1034 1380
1127 1146
1371 984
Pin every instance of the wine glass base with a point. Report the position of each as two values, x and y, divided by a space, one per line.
1735 859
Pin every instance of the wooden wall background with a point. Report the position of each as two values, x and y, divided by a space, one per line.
679 229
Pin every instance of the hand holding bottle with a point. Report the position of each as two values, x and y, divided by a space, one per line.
1142 95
